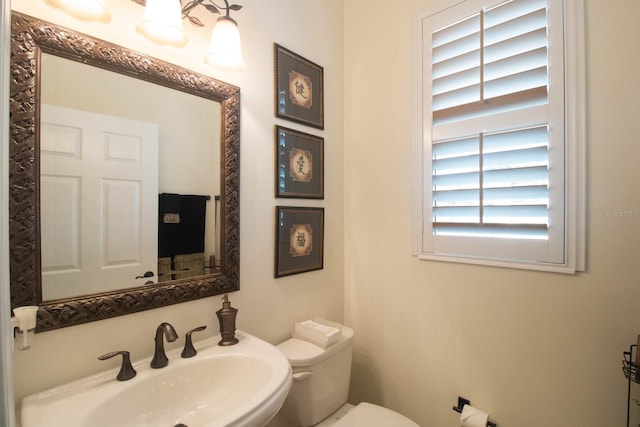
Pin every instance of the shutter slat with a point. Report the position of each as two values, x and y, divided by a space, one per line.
512 47
516 83
455 148
496 32
509 178
456 48
508 160
456 165
536 214
457 65
469 215
516 196
516 178
516 139
469 95
456 81
459 181
515 64
455 31
508 11
458 198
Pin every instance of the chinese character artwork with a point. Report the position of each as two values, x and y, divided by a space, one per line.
301 240
300 89
300 165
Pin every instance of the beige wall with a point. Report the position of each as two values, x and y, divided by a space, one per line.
530 348
267 307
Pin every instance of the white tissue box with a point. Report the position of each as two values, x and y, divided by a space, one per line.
318 331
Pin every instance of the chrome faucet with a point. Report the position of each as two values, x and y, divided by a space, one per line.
160 359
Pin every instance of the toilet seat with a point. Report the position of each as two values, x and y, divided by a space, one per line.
369 415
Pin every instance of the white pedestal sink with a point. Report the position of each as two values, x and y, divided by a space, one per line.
240 385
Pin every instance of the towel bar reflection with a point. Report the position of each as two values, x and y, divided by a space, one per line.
207 197
461 402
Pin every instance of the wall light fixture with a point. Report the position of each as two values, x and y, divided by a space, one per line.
162 24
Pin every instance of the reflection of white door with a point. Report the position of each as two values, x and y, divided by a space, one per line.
99 201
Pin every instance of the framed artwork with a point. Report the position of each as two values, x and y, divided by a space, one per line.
299 240
299 164
299 91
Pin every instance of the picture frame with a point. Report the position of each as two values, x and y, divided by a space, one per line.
299 164
299 88
299 240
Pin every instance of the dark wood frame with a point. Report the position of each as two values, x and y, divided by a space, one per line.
313 189
286 61
285 263
30 37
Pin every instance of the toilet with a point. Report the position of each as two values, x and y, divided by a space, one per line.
320 387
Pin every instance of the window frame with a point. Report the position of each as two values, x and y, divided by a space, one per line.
574 145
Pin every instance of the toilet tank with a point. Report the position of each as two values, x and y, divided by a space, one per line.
320 378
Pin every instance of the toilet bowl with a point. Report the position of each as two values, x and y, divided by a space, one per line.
368 414
320 387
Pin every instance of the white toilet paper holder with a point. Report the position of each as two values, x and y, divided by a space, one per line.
461 402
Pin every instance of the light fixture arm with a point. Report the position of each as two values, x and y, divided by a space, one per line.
207 4
225 47
211 6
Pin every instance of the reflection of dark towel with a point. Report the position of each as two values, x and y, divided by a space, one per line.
193 211
187 236
167 204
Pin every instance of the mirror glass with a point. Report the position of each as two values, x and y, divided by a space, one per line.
95 148
114 158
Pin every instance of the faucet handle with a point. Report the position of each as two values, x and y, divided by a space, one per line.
126 370
189 349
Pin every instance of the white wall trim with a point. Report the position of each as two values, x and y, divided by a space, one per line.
7 417
575 126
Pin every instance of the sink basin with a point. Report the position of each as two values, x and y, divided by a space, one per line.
240 385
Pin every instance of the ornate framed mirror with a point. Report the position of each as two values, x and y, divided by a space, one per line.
30 40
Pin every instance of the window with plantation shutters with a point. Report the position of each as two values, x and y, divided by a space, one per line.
493 171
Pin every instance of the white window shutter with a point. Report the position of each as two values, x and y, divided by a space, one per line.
494 137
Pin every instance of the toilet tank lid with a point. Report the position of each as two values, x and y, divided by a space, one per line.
367 414
303 353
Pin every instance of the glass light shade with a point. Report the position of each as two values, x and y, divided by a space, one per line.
162 23
225 49
86 10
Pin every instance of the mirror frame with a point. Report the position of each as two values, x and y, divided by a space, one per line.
29 38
